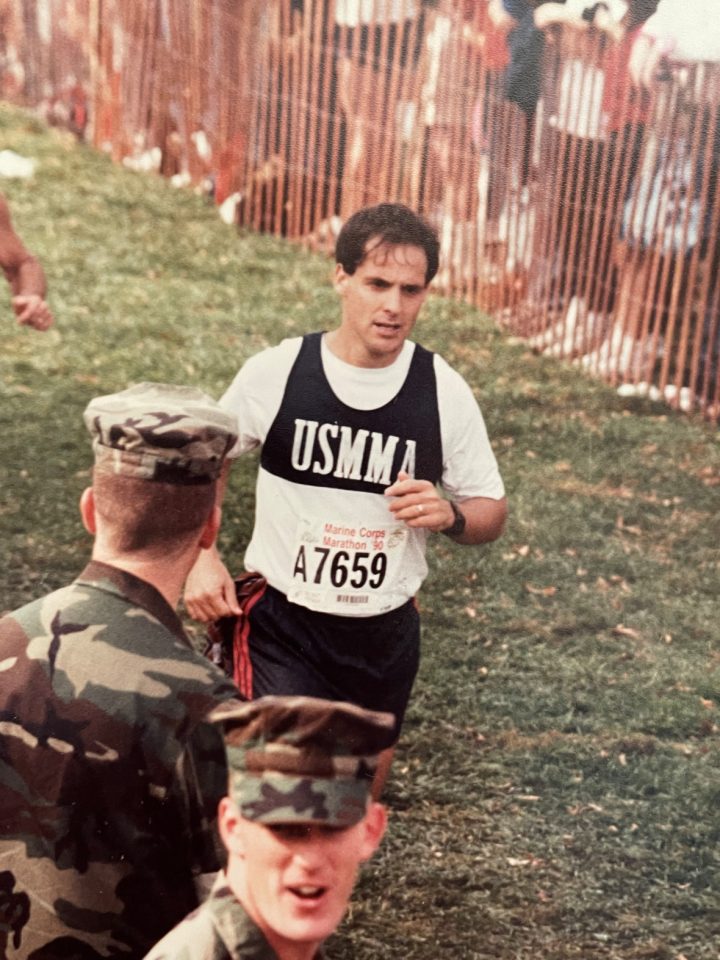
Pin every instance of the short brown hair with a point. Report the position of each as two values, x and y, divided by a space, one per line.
151 517
386 223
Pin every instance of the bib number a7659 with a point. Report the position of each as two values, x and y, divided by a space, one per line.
341 568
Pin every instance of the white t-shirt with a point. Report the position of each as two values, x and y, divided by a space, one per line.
289 514
355 12
691 25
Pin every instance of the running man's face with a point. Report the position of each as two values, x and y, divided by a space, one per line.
295 880
380 303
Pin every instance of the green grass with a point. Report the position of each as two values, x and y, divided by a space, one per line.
556 792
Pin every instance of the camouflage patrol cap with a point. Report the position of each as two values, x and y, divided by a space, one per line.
160 431
302 759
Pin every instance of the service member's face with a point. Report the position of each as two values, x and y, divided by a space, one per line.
380 303
296 880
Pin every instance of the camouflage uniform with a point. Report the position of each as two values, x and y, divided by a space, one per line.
109 774
291 760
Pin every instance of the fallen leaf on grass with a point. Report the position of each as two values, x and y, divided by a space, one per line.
528 861
627 528
584 808
541 591
623 493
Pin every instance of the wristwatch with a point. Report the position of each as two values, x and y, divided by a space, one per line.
458 525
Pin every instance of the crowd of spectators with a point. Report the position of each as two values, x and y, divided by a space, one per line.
567 153
627 136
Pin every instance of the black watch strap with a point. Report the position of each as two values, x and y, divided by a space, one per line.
458 525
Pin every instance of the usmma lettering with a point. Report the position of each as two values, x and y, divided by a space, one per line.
326 448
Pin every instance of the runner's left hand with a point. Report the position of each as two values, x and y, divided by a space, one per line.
418 504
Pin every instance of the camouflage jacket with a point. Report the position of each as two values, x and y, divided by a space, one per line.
219 930
109 776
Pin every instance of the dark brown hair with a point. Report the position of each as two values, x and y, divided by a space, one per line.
390 223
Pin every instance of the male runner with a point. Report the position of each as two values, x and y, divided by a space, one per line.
359 427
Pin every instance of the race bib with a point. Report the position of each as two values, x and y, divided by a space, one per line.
345 569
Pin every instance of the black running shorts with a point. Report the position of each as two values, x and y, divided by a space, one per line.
370 661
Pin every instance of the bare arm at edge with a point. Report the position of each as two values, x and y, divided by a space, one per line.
25 275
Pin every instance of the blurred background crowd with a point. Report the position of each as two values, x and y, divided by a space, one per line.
567 153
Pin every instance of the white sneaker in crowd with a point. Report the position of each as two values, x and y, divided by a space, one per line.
685 397
572 335
621 354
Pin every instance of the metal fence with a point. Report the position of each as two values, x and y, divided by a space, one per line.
586 220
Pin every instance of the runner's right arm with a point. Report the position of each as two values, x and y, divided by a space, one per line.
210 590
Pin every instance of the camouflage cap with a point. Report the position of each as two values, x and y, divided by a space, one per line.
160 431
301 759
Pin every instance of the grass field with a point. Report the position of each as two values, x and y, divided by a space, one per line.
557 790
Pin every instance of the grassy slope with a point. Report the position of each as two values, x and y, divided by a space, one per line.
556 791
